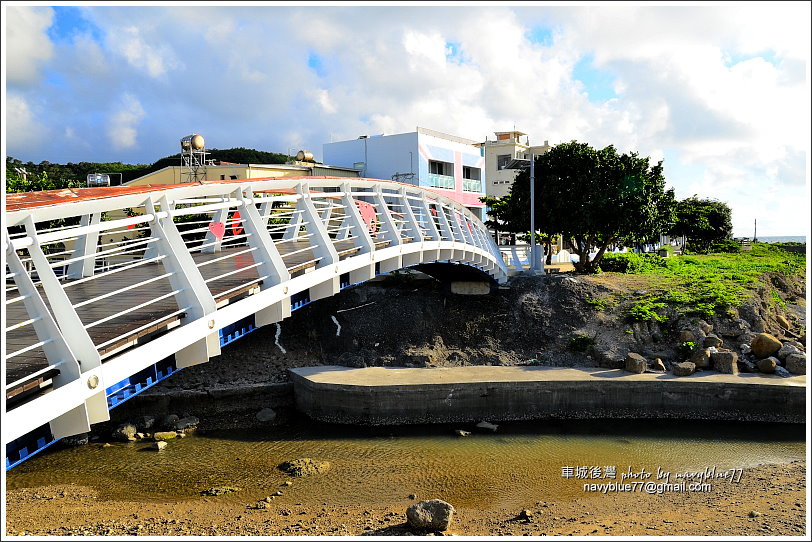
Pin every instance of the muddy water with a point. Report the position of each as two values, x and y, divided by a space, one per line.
520 463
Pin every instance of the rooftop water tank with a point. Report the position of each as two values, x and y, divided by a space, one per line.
193 141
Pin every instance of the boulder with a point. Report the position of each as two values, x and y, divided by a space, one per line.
265 415
125 432
432 515
160 445
767 365
144 422
685 368
786 350
635 363
487 425
780 371
304 467
185 423
711 341
796 344
705 327
658 365
782 321
686 335
725 362
701 358
169 421
764 345
796 364
164 435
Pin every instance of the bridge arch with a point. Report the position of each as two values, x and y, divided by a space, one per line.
102 284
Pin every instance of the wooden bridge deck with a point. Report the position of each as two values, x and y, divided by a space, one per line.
130 323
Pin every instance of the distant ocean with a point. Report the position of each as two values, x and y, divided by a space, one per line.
782 239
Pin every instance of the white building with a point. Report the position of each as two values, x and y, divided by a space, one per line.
452 166
499 153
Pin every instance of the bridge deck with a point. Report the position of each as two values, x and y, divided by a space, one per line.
133 322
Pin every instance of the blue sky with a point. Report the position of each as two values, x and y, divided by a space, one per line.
721 93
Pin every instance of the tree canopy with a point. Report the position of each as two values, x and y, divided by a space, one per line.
703 222
593 198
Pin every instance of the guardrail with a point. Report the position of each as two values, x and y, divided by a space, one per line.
149 273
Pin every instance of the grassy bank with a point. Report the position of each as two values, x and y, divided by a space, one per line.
701 285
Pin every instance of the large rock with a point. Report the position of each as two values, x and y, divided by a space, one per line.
164 435
433 515
125 432
711 341
188 422
265 415
725 362
144 422
635 363
764 345
705 327
767 365
304 467
701 358
786 350
686 368
782 321
658 366
796 364
686 335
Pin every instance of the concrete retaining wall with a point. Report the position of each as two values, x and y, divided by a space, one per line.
376 398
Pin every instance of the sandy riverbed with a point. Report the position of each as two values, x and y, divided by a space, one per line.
769 500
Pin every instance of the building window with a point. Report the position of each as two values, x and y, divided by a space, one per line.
471 179
502 161
441 174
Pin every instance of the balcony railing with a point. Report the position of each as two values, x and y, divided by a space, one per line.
441 181
471 185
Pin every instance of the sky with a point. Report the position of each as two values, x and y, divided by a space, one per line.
719 92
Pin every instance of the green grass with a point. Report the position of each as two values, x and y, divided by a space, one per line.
703 284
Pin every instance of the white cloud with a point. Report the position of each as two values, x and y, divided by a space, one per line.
28 47
122 126
21 124
141 52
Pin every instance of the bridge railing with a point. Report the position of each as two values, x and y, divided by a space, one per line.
91 281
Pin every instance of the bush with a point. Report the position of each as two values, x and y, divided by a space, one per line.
630 262
728 246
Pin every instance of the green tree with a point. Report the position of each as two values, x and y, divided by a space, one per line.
703 222
593 198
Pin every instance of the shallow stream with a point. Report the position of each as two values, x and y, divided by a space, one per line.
520 463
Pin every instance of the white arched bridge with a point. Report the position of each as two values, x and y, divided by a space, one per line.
110 290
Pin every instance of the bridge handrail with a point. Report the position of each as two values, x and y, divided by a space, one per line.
292 236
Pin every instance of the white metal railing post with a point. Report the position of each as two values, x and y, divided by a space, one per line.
445 227
86 245
391 232
265 253
59 355
434 233
65 315
323 247
409 218
356 223
193 295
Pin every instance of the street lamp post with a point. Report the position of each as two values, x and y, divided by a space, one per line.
536 256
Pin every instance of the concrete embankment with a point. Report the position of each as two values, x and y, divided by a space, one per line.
379 396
